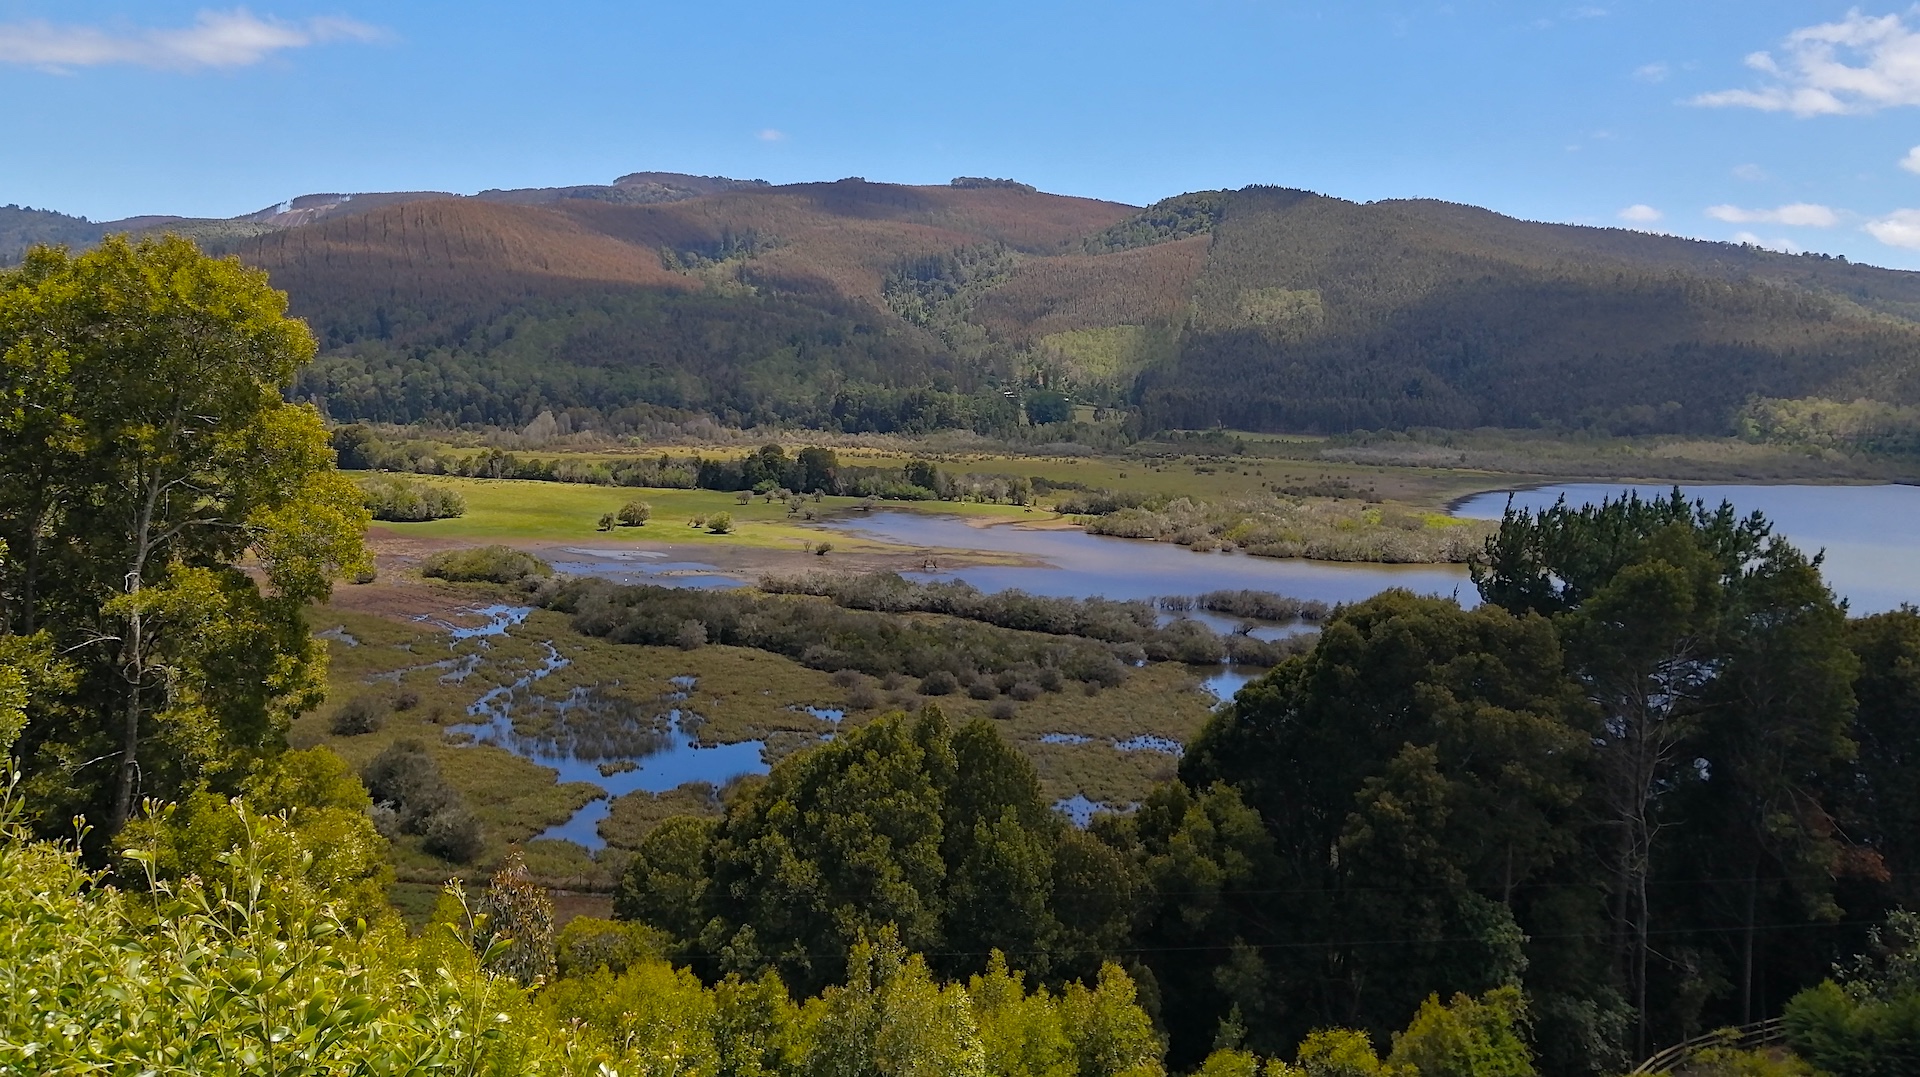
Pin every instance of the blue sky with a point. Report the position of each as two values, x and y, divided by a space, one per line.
1763 120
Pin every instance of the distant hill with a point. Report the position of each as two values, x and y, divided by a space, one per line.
22 227
1318 314
863 305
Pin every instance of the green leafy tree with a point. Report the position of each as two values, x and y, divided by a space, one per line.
1111 1035
635 514
1022 1033
145 449
304 813
893 1020
1884 802
720 523
1048 406
1716 660
1338 1052
1447 751
941 836
1467 1037
817 470
837 844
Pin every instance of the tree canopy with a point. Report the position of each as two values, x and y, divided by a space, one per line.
166 515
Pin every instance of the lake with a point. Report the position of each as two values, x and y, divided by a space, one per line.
1871 534
1080 565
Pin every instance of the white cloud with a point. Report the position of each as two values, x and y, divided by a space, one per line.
1784 246
1588 12
1750 173
1901 228
1797 215
1641 214
236 38
1652 72
1813 77
770 135
1911 162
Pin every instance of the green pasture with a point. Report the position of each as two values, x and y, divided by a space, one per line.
508 510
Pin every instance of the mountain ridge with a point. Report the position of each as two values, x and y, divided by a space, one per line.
1261 308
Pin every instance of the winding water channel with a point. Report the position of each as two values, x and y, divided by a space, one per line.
1870 535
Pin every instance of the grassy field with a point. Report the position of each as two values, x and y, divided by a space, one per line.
509 510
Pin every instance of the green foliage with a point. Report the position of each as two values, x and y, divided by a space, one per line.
1130 622
485 564
635 514
23 228
937 835
398 500
1338 1052
363 714
1168 219
1884 804
237 971
1466 1037
1733 1061
892 1018
1862 425
132 375
304 816
1446 750
1718 662
513 925
720 523
1868 1023
824 636
1048 406
588 944
622 358
411 797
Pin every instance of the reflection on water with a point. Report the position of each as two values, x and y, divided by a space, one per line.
1871 534
1080 565
1227 683
675 757
1080 811
494 621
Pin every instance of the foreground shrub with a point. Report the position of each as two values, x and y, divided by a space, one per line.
485 564
635 514
1866 1021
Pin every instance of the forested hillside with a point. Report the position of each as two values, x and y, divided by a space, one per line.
1313 313
867 306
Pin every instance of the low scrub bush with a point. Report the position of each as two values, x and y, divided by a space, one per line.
1132 623
360 715
406 785
485 564
901 651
